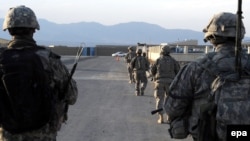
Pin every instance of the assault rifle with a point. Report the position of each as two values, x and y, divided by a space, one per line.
78 55
238 47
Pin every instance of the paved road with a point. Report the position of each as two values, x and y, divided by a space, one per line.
107 109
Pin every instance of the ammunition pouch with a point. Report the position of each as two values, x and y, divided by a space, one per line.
179 128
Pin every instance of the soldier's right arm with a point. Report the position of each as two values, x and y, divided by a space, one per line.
61 76
127 58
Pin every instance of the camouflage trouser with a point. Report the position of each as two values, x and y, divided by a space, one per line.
160 92
130 73
42 134
140 80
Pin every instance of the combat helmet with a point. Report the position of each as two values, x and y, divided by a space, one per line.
165 50
223 24
139 51
20 16
130 48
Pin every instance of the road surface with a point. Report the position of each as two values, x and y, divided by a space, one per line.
107 108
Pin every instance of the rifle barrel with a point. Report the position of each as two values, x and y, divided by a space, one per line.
156 111
238 39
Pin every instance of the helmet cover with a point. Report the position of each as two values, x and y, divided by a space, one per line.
223 24
20 16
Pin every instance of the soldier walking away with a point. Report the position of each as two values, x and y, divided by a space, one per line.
130 55
140 65
196 82
33 98
163 70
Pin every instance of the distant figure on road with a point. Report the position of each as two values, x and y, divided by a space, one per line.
163 71
130 55
140 65
33 98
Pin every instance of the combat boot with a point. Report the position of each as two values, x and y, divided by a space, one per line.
137 93
142 91
160 120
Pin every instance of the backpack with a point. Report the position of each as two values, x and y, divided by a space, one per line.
228 103
232 97
140 63
26 100
165 67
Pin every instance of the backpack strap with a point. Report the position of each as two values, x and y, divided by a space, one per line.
208 64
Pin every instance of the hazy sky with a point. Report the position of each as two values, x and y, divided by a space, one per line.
170 14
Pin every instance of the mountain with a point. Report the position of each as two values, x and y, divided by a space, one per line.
92 33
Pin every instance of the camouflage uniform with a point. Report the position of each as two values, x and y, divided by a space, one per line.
191 87
163 79
51 63
130 55
140 65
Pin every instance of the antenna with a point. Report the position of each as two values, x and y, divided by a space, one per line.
238 47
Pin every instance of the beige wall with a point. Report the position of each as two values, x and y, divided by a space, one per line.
154 53
186 57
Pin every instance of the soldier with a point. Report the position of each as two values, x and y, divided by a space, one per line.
163 70
191 87
130 55
140 65
21 24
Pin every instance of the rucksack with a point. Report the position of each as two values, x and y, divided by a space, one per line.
228 103
232 97
165 67
140 63
26 100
